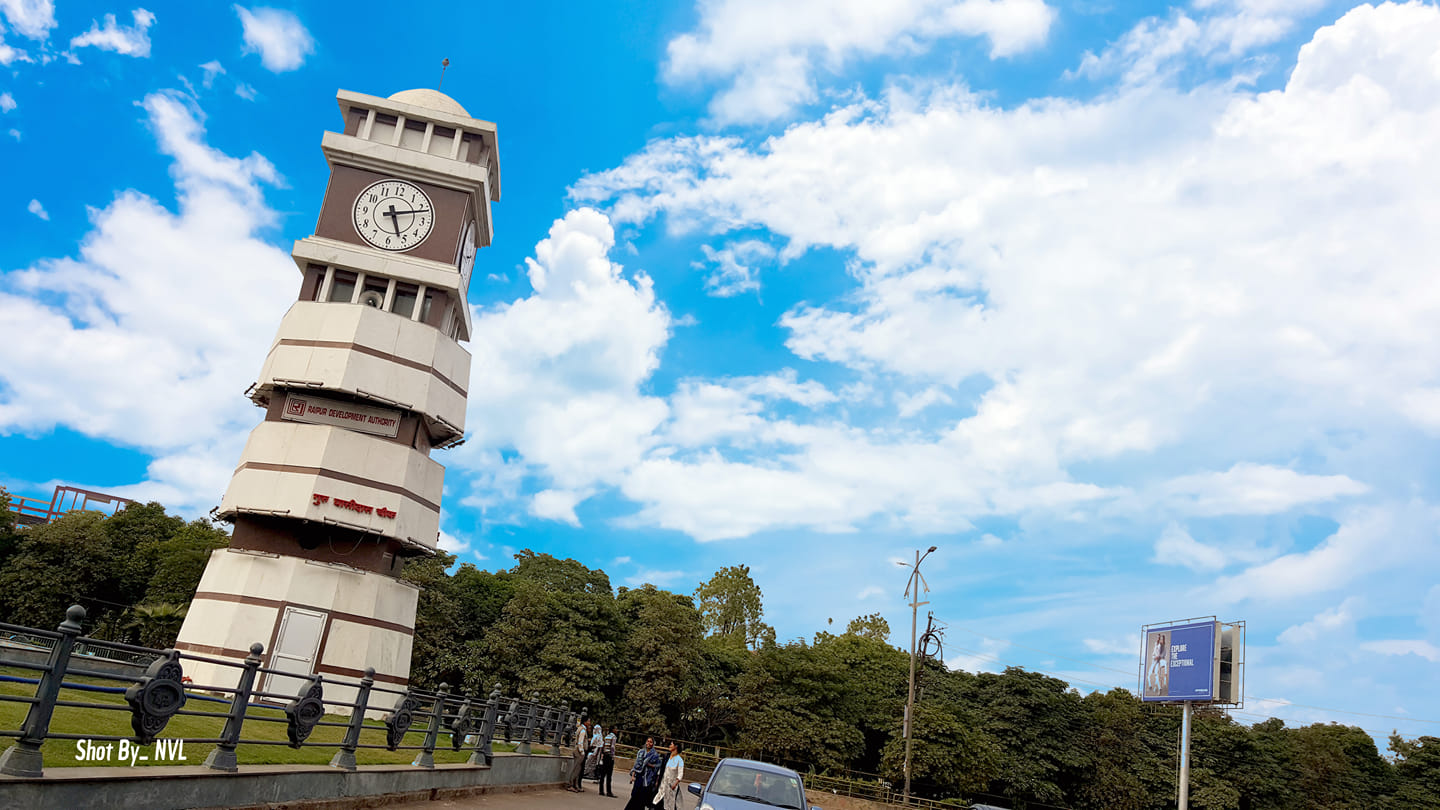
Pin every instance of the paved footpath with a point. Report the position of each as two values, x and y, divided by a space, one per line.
546 800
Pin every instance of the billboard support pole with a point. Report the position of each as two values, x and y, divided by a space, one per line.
1184 787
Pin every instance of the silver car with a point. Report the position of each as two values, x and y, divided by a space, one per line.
744 784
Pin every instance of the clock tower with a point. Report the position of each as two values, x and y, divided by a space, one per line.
366 376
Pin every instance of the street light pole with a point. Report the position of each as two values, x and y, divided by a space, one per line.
915 604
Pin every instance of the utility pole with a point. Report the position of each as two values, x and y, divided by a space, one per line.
915 582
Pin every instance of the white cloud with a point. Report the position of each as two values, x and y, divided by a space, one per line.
38 210
29 18
212 69
620 561
1370 539
869 591
245 91
660 579
137 315
909 405
564 366
1113 646
769 53
1338 621
707 412
1254 489
1177 547
558 505
277 35
127 41
451 543
10 55
7 102
1423 649
733 268
15 133
985 659
1200 288
1211 32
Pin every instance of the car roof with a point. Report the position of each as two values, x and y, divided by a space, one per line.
757 765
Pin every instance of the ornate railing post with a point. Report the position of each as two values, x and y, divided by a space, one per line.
512 713
565 725
483 755
426 758
305 711
23 758
543 724
156 697
399 720
462 723
345 757
527 724
223 757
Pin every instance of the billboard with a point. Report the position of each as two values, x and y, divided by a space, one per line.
1181 663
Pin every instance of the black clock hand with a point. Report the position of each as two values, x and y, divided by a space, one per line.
394 219
412 211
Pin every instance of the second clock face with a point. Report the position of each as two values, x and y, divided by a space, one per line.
393 215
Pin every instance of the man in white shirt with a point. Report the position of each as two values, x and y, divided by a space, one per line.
582 747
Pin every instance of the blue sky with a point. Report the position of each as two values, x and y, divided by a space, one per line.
1129 309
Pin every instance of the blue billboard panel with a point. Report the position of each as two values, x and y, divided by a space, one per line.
1180 662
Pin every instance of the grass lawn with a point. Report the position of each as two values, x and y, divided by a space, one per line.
324 741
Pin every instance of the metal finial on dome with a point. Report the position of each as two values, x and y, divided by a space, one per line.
444 63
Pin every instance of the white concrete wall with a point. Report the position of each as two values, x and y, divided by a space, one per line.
346 370
333 448
328 588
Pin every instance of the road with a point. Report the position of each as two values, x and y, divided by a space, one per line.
548 800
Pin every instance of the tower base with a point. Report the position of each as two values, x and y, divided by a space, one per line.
311 617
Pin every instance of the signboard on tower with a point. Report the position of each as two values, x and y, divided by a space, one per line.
1181 663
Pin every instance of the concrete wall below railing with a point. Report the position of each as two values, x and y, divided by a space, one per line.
258 786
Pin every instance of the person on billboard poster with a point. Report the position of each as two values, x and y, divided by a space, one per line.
1157 667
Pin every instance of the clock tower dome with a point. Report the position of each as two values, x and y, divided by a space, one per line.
366 376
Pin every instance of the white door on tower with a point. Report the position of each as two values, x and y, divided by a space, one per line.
296 646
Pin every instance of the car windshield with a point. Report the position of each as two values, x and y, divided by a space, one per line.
776 789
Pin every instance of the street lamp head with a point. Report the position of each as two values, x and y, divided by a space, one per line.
932 548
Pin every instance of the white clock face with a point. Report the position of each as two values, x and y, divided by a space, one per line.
393 215
467 254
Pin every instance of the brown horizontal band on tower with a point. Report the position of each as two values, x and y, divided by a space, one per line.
336 475
328 669
348 672
206 649
353 618
373 352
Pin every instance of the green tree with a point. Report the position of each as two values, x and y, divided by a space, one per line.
179 561
788 695
1417 771
9 529
663 648
731 607
157 625
872 626
1038 723
949 751
1339 767
58 564
560 634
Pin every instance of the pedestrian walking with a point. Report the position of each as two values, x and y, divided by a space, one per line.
644 776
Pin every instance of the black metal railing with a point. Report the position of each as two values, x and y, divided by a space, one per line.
162 692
